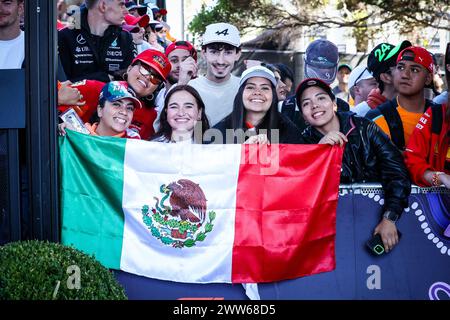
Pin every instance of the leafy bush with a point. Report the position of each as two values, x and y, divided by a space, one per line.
38 270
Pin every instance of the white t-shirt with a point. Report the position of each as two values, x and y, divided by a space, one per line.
12 52
217 97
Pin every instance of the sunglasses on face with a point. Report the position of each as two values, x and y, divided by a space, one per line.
152 77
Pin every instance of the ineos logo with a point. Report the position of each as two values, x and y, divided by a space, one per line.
81 39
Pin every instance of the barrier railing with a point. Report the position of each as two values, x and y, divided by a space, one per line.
417 268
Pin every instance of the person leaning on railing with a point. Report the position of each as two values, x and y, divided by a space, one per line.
427 154
369 155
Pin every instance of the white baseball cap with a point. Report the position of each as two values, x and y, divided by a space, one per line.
359 73
258 71
222 32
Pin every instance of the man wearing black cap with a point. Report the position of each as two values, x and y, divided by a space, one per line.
381 62
342 89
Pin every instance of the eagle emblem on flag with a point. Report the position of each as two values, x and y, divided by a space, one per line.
182 221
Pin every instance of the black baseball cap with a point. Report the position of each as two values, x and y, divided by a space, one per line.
384 56
321 60
312 82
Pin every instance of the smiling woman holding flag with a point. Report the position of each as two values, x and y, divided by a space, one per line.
115 111
255 117
183 114
369 155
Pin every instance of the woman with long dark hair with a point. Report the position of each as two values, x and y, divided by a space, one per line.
183 118
255 117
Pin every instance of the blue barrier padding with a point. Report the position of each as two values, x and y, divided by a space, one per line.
417 268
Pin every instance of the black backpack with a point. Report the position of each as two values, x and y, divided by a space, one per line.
390 113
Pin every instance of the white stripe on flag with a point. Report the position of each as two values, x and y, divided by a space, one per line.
148 166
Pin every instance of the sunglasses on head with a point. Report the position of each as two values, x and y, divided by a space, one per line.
148 73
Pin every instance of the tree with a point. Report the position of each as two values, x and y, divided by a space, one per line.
365 16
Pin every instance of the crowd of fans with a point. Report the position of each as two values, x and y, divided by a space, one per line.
125 76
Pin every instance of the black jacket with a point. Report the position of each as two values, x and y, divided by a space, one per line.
288 109
370 156
390 113
86 56
288 132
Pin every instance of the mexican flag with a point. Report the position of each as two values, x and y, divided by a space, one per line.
201 213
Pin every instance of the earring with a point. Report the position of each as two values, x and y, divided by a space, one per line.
150 97
125 76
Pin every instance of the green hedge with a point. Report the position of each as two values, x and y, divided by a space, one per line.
37 270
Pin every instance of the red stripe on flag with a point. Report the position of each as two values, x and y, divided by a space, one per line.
286 221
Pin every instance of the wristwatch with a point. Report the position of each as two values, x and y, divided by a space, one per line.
391 216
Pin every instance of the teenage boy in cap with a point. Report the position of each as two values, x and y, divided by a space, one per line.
321 62
360 83
369 155
381 62
183 59
116 106
221 50
399 116
427 155
100 47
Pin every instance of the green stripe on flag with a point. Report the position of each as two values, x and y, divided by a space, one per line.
91 171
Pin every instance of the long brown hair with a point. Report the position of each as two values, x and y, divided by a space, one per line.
165 130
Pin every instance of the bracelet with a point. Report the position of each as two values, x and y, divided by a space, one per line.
435 179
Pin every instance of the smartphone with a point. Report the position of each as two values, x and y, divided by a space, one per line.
375 244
